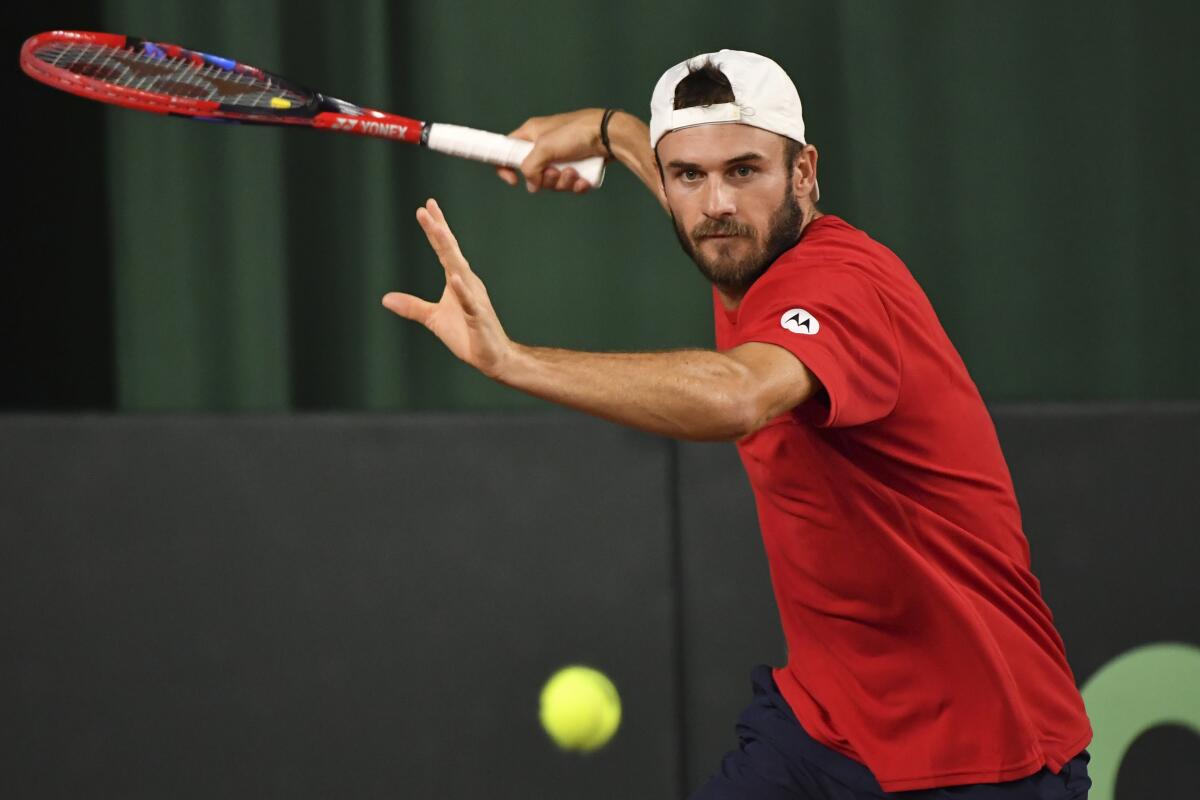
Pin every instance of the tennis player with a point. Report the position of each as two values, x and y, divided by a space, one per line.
921 655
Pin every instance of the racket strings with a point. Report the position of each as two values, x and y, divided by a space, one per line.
166 75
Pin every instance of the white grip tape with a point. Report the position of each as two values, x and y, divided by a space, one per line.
492 148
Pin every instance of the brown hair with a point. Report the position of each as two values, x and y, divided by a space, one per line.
706 85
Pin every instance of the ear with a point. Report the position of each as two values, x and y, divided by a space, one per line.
804 174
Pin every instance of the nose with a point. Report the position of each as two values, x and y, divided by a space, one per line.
718 200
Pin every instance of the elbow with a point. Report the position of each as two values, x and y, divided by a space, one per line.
749 405
749 400
741 413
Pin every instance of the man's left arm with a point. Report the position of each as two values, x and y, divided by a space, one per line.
687 394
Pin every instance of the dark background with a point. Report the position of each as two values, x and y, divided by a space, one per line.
1033 163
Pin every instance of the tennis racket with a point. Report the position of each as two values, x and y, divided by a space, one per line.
169 79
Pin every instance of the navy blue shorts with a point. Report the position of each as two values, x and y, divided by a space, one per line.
778 760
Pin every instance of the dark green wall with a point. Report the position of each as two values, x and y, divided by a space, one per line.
1034 164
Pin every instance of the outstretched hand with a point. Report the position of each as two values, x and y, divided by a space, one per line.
463 318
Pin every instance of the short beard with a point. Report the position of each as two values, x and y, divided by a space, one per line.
736 277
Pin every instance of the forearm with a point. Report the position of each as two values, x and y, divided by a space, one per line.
685 394
629 139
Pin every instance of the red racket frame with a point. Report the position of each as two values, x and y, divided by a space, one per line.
316 114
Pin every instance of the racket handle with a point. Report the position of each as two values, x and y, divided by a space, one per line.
505 151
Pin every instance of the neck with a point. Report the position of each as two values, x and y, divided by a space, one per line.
731 300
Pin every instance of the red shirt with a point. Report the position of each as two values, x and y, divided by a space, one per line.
918 640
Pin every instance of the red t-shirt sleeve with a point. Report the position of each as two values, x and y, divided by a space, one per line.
851 347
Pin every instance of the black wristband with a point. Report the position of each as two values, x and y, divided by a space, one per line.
608 112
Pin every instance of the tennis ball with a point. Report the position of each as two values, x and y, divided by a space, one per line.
580 708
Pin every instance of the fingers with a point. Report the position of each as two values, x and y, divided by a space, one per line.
548 179
533 167
566 181
537 169
433 221
564 143
441 239
435 210
559 180
527 132
465 298
530 130
408 306
507 175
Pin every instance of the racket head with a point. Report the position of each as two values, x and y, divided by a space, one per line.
163 78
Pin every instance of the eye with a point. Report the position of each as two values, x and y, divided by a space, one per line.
743 171
689 175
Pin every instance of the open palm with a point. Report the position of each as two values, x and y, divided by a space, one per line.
463 318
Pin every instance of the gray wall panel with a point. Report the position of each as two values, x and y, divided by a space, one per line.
367 606
729 609
1110 501
328 607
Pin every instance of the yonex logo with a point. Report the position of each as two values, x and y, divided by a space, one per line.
797 320
369 128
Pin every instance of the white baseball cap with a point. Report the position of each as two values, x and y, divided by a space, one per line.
763 96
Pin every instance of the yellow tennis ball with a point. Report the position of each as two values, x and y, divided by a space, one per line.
280 102
580 708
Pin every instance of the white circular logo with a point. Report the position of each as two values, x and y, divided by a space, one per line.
797 320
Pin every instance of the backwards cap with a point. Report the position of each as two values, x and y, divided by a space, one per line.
763 96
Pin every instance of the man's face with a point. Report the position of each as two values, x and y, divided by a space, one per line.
732 200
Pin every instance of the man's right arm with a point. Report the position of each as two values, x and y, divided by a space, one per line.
575 135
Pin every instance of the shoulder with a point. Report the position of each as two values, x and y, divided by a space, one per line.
835 252
810 275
